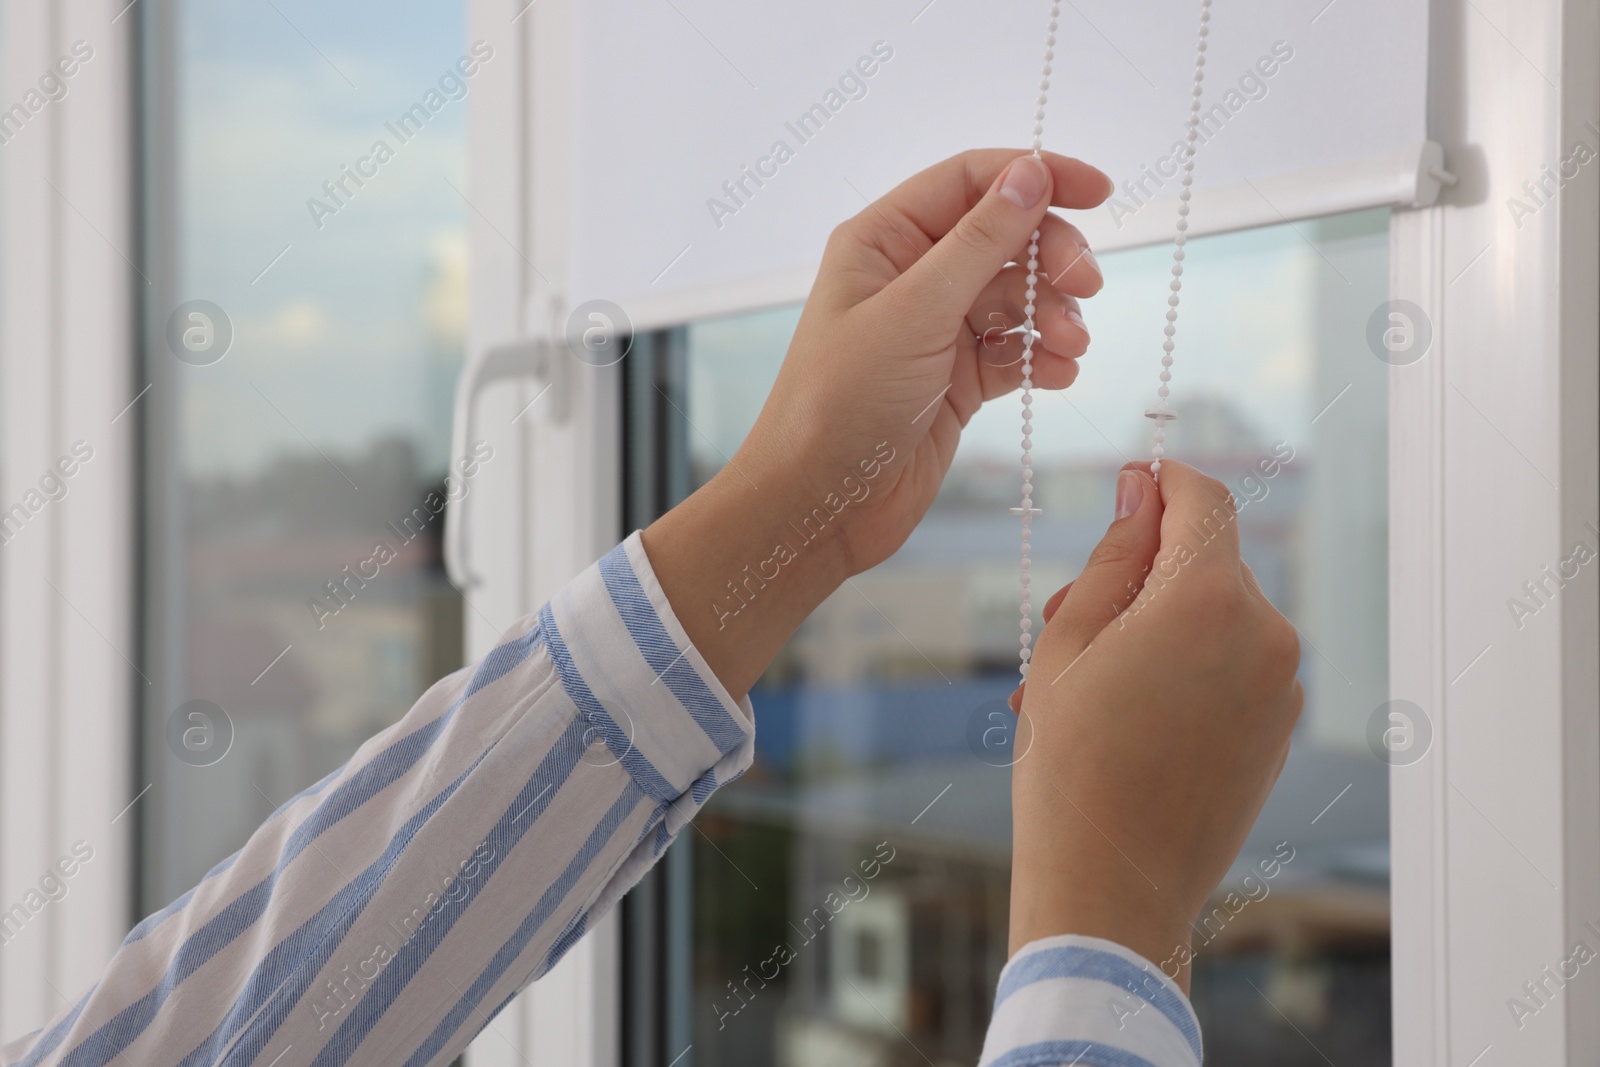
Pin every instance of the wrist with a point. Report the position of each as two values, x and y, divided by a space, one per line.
838 494
1068 878
742 568
784 550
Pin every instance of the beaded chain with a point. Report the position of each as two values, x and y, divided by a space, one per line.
1027 510
1162 413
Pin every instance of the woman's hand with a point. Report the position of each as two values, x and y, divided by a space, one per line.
905 333
901 340
1160 701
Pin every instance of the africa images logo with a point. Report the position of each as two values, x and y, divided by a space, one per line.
1399 732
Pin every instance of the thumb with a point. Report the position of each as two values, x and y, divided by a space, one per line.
1116 569
950 276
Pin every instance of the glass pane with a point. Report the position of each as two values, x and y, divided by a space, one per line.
299 182
864 721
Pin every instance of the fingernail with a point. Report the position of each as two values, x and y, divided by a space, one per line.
1075 317
1130 493
1088 256
1014 701
1024 182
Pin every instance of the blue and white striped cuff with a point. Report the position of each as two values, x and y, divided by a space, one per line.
627 664
1092 1003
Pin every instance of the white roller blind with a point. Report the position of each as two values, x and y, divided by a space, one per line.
716 143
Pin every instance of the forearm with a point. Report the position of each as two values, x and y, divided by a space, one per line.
743 562
394 906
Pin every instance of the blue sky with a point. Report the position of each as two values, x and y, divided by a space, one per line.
355 332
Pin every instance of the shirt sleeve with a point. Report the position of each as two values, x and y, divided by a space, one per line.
1086 1002
384 915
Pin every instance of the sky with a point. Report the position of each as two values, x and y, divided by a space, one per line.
347 330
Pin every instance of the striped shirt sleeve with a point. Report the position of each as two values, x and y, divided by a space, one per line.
1086 1002
384 915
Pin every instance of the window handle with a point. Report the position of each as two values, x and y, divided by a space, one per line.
538 359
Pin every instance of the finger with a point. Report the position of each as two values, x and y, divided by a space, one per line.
1051 371
1014 701
1200 515
1065 260
1001 309
994 359
998 368
935 199
947 279
1116 569
1293 702
1250 581
1053 605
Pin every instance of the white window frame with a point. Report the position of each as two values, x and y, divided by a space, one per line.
68 362
1520 727
1513 780
519 136
1514 773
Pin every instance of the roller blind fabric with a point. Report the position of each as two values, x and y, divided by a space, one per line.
717 143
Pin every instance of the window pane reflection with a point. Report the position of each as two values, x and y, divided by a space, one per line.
291 540
865 722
